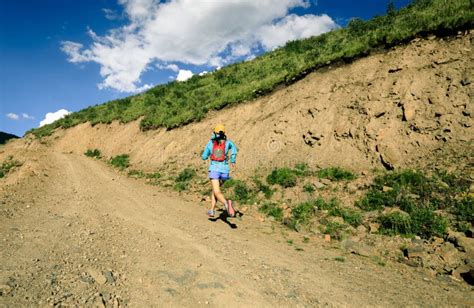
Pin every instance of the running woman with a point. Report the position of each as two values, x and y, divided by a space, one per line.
220 150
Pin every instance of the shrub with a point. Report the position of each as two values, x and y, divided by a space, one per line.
334 229
352 217
185 175
154 175
309 188
93 153
464 209
265 189
241 192
301 214
302 169
136 174
120 161
395 223
181 186
335 174
7 165
272 209
422 221
284 177
426 223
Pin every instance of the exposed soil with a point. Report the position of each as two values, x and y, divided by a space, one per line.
79 233
76 232
389 110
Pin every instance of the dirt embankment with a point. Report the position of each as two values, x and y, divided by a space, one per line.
393 109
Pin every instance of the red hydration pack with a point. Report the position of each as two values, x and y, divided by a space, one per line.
218 151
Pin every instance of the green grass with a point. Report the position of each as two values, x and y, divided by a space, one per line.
340 259
93 153
7 165
183 178
265 189
419 195
179 103
136 174
309 188
272 209
334 229
185 175
153 175
284 177
336 174
120 161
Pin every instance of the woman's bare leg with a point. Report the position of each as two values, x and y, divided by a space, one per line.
213 201
216 189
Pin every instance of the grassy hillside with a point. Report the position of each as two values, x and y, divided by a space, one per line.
179 103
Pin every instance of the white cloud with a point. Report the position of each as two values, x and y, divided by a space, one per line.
53 116
294 27
213 33
171 67
203 73
111 14
13 116
27 116
184 75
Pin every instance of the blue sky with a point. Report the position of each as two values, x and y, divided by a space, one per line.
65 54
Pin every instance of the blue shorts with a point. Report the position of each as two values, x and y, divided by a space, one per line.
216 175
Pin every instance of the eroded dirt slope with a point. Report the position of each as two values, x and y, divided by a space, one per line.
392 109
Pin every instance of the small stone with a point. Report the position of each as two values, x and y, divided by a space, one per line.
361 230
326 181
327 238
4 289
97 276
413 251
318 185
352 188
109 277
387 189
408 112
358 248
374 227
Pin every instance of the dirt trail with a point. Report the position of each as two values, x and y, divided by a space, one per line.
80 233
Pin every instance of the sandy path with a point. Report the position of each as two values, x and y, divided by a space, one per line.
64 232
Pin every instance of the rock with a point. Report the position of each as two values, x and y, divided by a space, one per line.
4 289
326 181
417 240
387 189
109 277
361 230
336 219
447 252
413 251
408 112
97 276
358 248
465 82
374 227
469 233
318 185
352 188
462 243
327 238
464 272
